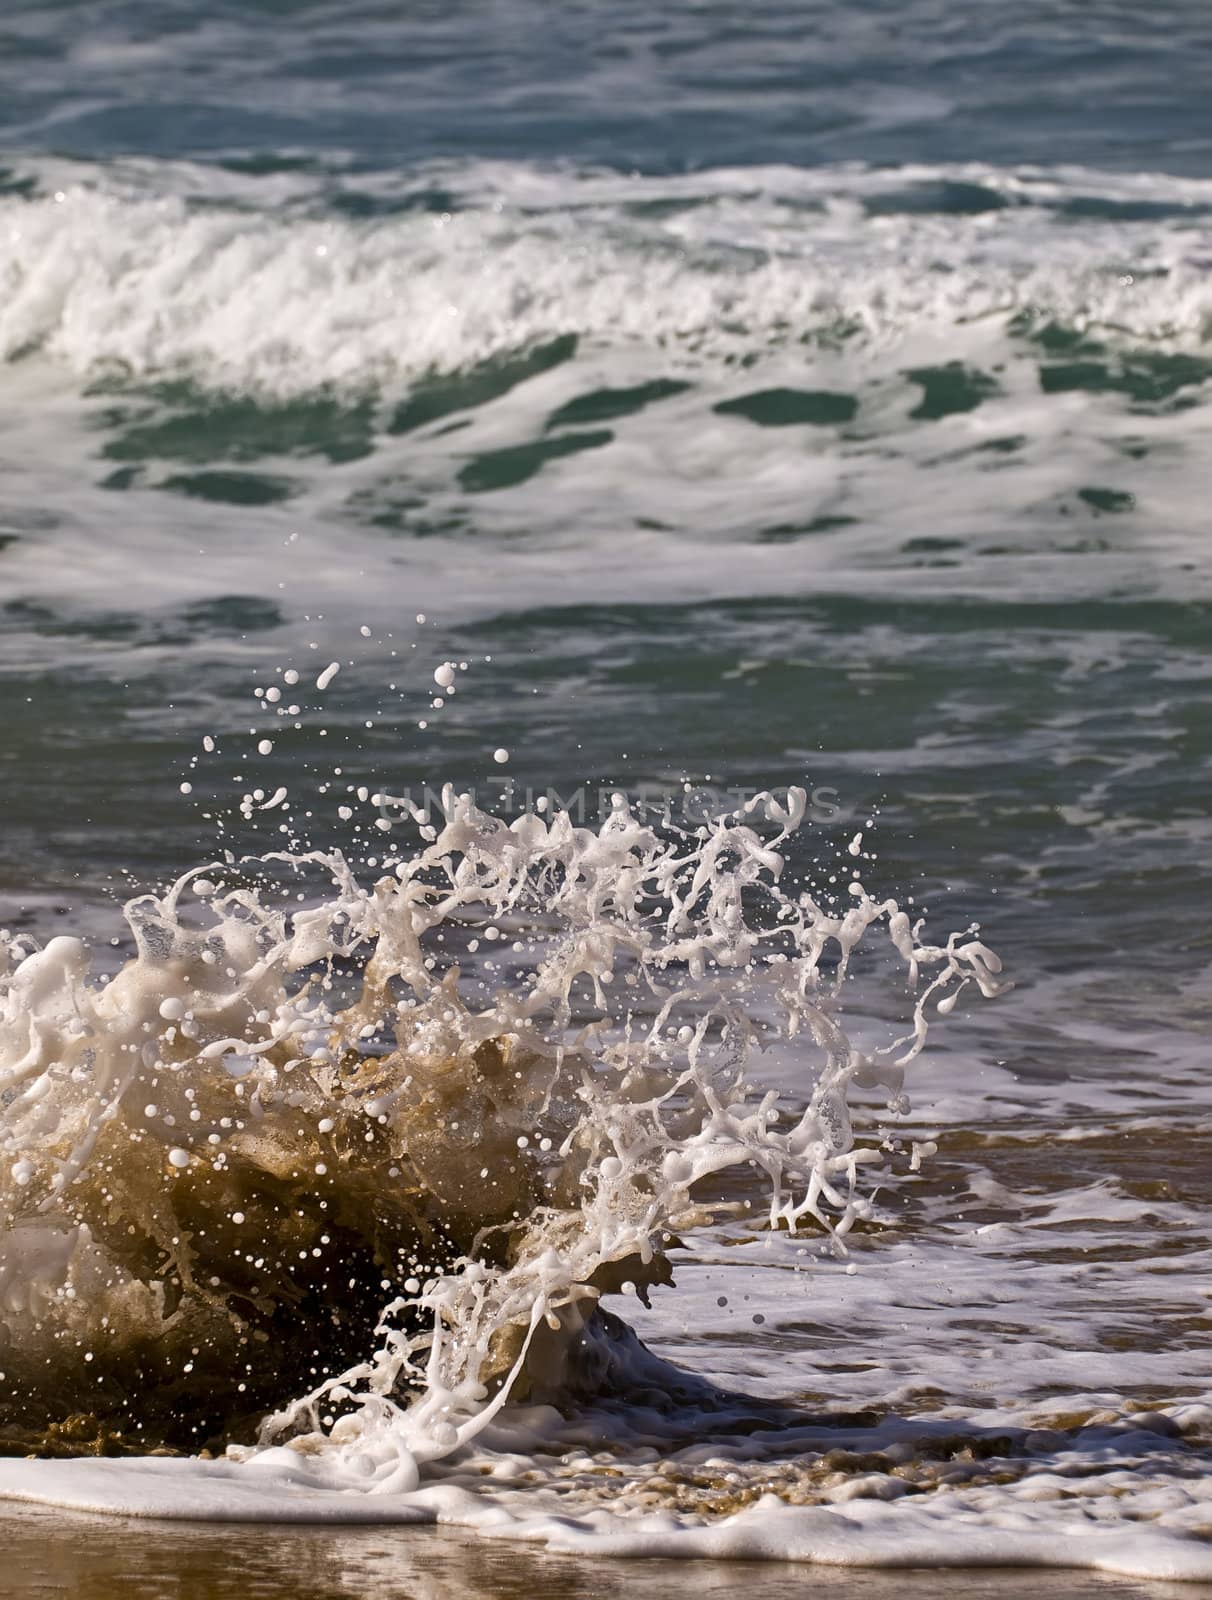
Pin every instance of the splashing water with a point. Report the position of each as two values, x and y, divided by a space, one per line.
294 1104
216 1163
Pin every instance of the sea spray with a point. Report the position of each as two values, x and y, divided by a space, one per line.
294 1104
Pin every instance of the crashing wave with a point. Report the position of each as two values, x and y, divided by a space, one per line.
183 272
490 1087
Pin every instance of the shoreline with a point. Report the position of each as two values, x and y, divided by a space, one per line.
52 1553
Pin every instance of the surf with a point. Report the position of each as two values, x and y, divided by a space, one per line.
221 1160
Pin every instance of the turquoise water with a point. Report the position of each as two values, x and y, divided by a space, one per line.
806 393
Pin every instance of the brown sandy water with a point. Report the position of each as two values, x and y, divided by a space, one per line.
50 1553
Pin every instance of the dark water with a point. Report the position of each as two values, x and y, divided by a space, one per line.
674 88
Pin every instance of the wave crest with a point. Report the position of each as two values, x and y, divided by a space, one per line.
173 271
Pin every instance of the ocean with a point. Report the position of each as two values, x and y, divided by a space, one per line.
575 530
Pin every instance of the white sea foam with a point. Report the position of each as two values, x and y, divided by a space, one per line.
127 271
1061 1509
838 280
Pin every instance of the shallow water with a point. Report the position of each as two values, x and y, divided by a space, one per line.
821 402
97 1559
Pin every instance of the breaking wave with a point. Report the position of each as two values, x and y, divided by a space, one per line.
284 285
220 1161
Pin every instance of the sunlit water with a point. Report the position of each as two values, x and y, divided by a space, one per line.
820 401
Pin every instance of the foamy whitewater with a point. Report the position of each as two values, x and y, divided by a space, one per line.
728 383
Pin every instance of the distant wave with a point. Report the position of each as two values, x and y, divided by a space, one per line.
284 285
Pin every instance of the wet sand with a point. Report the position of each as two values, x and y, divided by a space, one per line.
50 1553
